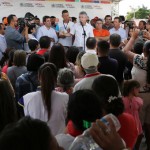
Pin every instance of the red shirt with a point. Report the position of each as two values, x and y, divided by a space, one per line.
128 130
42 52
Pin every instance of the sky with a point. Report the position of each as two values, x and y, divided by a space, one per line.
125 5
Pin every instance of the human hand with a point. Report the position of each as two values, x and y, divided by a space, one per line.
62 36
52 39
105 138
135 34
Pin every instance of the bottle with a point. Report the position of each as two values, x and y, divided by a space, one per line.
86 142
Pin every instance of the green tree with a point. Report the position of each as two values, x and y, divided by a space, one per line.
140 13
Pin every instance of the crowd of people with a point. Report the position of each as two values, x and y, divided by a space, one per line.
57 76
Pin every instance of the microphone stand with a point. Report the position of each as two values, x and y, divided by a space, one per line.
84 34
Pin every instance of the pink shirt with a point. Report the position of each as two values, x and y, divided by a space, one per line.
133 107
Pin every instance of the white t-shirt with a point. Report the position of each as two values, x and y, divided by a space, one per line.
91 51
139 72
85 83
34 107
63 27
77 30
43 31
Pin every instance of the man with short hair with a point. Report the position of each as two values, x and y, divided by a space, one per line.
118 30
37 21
3 44
108 23
116 53
82 31
89 62
91 45
47 30
64 30
107 65
54 25
13 38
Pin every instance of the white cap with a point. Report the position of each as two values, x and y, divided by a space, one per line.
89 60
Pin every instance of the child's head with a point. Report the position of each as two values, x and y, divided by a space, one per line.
33 44
131 87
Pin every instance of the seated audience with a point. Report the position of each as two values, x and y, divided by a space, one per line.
47 104
72 53
18 68
8 110
44 45
28 134
91 45
9 59
57 56
79 71
28 82
65 80
89 62
107 89
83 106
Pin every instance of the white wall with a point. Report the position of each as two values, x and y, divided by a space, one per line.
41 8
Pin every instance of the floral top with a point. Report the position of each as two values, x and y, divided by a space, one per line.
139 72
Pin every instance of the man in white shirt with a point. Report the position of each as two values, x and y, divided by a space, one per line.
3 44
47 30
64 28
82 31
118 30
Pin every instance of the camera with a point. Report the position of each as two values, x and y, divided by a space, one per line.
28 20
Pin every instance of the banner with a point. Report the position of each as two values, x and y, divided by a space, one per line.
40 8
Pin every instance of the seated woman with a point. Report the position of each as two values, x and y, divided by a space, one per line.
18 68
106 88
83 105
8 110
57 56
65 80
40 138
99 33
47 104
79 71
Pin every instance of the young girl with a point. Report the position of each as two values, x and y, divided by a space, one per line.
133 103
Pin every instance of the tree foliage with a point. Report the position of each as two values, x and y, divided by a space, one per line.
140 13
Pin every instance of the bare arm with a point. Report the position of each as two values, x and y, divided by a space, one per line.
127 49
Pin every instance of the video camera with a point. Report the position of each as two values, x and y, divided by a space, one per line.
28 20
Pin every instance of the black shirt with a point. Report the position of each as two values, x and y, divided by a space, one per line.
108 66
122 60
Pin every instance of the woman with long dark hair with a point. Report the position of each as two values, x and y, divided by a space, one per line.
8 110
141 73
47 104
57 56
